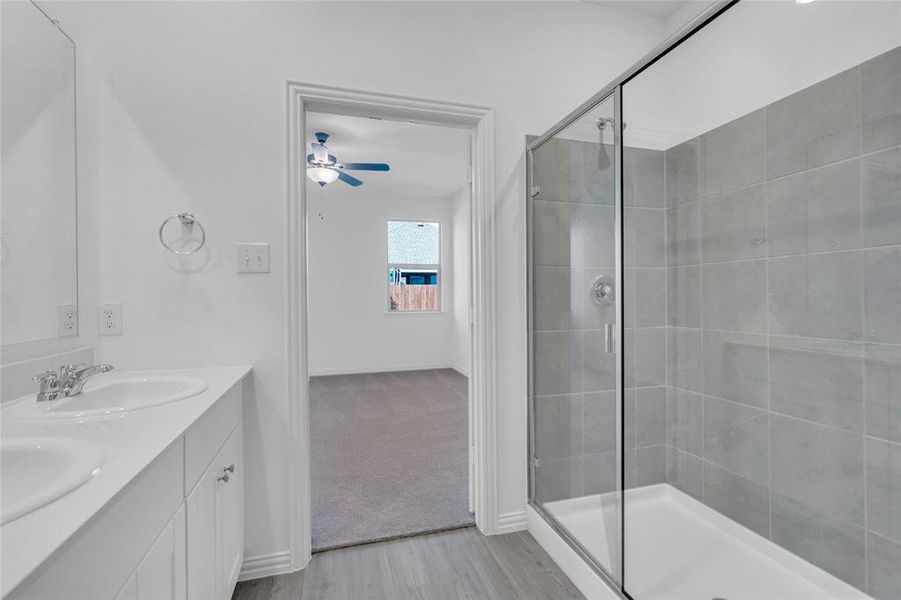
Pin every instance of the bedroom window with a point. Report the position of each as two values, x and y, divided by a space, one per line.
414 266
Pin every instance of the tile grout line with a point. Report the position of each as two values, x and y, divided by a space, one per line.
863 331
666 332
580 476
788 416
700 226
769 402
786 337
891 246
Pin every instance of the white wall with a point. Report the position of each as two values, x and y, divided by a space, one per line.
462 278
190 106
685 14
351 330
754 54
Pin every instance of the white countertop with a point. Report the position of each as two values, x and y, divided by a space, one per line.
132 441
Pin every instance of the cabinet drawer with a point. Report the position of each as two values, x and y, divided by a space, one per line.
205 438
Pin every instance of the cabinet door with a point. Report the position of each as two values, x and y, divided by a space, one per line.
203 536
232 509
161 574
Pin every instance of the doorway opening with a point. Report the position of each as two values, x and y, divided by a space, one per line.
479 122
389 340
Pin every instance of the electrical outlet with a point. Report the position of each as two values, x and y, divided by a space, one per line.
109 319
253 258
67 319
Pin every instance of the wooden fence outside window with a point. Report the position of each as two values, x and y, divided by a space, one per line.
413 297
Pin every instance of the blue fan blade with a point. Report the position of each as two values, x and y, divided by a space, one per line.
309 158
367 166
349 179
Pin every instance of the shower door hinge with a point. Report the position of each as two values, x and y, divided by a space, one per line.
536 462
534 191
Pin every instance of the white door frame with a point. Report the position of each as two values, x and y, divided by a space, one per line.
480 121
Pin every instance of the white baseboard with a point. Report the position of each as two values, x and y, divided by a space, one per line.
512 521
589 583
379 369
266 565
461 370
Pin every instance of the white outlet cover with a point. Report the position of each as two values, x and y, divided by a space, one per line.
109 319
252 257
67 320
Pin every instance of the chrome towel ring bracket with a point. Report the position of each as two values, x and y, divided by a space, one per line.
187 220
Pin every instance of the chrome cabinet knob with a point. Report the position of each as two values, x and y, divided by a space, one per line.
230 468
224 478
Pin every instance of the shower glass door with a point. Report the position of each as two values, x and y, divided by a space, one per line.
762 169
574 376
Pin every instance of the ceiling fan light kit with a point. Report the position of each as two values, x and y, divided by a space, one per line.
324 168
322 175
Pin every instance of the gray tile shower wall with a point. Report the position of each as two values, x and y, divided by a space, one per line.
783 322
574 378
644 316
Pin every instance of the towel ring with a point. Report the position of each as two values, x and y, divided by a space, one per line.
185 219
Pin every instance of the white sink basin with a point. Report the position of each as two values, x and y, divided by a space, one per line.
112 397
35 471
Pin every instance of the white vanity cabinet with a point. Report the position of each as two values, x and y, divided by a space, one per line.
175 532
162 573
215 529
232 510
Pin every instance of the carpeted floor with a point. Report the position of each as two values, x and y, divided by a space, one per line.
389 455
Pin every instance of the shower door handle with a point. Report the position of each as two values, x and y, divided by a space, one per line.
608 338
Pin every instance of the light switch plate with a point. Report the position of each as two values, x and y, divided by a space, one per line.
253 257
67 319
109 319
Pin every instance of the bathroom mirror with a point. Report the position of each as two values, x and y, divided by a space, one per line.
38 244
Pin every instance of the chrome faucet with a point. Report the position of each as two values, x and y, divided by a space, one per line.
67 382
77 375
50 389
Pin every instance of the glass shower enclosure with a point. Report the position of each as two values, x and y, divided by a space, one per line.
715 311
575 306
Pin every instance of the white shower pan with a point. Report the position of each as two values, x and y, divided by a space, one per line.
677 548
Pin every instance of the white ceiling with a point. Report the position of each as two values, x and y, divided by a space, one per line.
660 9
425 160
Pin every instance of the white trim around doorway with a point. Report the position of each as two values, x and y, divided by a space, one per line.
302 97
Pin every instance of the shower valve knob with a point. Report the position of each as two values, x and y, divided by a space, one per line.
602 290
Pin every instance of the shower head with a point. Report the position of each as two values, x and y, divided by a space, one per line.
603 159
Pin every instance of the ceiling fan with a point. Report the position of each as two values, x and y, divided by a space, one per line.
324 168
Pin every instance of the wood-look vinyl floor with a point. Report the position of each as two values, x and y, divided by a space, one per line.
461 564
